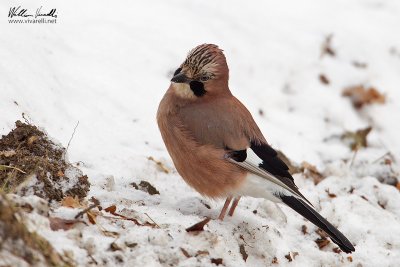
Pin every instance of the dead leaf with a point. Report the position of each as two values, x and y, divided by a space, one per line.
360 65
184 252
336 250
217 261
398 185
110 233
147 187
291 256
243 252
322 242
304 229
91 217
323 79
350 259
160 165
331 195
275 260
202 252
310 171
114 247
326 48
361 96
357 139
321 233
198 226
131 244
57 223
111 209
71 202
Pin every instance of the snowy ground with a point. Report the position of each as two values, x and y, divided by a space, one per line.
108 65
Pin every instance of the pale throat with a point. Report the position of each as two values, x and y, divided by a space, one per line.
183 90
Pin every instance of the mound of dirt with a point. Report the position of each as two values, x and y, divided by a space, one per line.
31 163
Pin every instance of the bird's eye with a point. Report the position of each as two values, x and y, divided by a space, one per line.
177 71
204 78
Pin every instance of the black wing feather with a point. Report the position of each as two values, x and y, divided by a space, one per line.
271 163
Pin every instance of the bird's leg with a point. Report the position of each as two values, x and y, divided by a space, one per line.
233 207
225 208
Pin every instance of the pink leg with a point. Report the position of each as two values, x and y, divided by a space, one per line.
233 207
224 209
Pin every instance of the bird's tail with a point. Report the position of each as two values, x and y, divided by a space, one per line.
309 213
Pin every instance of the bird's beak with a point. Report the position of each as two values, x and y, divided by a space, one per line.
180 78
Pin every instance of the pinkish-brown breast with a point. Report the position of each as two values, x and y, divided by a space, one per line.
201 165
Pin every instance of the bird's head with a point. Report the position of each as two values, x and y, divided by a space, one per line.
203 72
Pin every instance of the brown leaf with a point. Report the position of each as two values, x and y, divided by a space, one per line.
357 139
331 195
350 259
184 252
114 247
326 48
361 65
91 217
57 223
398 185
322 242
304 229
110 233
275 260
336 250
321 233
202 252
71 202
291 256
243 252
361 96
198 226
111 209
323 79
217 261
310 171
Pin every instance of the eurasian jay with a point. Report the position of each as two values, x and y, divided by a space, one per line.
216 145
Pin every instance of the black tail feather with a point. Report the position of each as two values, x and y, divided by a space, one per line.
309 213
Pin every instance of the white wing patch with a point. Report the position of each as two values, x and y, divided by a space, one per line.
261 183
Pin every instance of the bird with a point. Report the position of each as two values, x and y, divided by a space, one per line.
217 147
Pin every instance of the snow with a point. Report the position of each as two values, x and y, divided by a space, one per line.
108 65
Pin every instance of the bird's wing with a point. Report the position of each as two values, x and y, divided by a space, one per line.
222 122
261 159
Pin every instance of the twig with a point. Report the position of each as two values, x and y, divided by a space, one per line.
72 136
11 167
80 214
152 220
378 159
353 158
